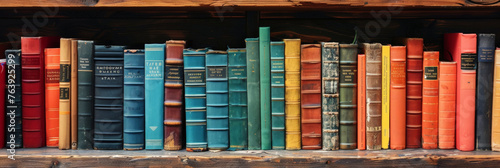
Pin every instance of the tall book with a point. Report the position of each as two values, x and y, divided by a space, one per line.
85 94
174 96
195 99
13 99
414 55
373 95
430 100
462 48
133 99
278 94
238 115
52 96
154 98
310 60
292 94
330 95
108 107
386 85
33 90
265 87
447 95
484 90
398 98
495 130
348 95
74 94
361 131
253 96
65 94
3 84
217 100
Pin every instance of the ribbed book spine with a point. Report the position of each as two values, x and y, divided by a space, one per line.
85 94
238 115
330 94
52 96
373 95
13 99
447 96
430 106
74 94
348 95
64 94
397 93
253 96
414 55
265 87
361 102
133 100
278 94
217 100
310 91
495 132
386 82
484 90
154 97
292 94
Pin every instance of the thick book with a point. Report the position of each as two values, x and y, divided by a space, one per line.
85 94
373 81
398 98
133 99
414 55
33 90
292 94
484 90
462 48
253 96
238 115
361 111
348 95
310 93
430 100
13 107
64 94
278 94
447 96
3 84
154 97
52 96
330 95
386 85
74 94
173 111
217 100
495 130
108 107
265 87
195 99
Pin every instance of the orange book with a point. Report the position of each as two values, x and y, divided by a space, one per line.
447 94
361 102
52 96
430 106
398 98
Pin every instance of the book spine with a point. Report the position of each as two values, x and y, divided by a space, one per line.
64 94
373 96
311 95
292 94
278 94
217 100
265 87
386 82
133 100
13 105
330 95
447 95
430 100
348 95
495 130
361 102
52 96
414 92
154 78
3 84
238 115
484 90
85 94
74 95
253 87
398 98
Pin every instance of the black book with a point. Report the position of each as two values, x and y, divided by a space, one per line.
484 92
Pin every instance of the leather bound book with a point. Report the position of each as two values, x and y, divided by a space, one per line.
74 94
348 95
133 99
278 94
292 94
430 100
311 95
447 95
373 95
13 105
154 99
386 85
330 94
195 99
265 87
398 98
108 107
495 130
361 131
238 123
253 97
65 93
217 100
33 90
462 48
52 96
414 55
3 78
484 90
85 94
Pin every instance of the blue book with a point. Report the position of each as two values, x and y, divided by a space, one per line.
154 71
217 100
278 94
237 71
133 100
195 99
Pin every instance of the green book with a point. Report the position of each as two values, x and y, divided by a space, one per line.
253 96
265 86
238 116
278 94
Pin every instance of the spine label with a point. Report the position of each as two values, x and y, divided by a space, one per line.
469 61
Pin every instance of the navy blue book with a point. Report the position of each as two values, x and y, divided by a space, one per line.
133 100
238 119
154 71
85 95
108 102
13 99
484 92
217 100
278 94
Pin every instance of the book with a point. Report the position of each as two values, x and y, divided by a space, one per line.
33 90
462 48
13 105
74 94
154 78
108 107
292 94
51 96
430 100
238 115
217 100
348 95
133 99
447 96
265 87
397 98
278 94
174 96
373 93
195 99
85 94
330 95
361 111
310 93
386 85
65 94
414 55
253 96
3 84
484 90
495 131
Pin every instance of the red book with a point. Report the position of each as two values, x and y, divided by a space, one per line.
361 102
462 48
398 98
447 96
414 55
33 88
430 106
3 72
52 68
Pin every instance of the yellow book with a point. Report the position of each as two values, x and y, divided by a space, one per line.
386 87
64 96
292 94
495 129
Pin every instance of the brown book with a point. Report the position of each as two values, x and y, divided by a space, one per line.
373 54
311 96
430 106
398 98
64 97
414 55
74 94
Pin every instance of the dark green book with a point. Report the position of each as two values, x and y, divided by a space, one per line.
265 86
253 97
85 94
278 94
348 95
238 131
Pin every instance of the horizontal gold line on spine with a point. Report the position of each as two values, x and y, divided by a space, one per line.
330 131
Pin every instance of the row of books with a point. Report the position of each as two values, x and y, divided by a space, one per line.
72 94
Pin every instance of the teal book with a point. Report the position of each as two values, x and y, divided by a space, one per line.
237 71
154 94
253 96
278 94
133 100
217 100
265 86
